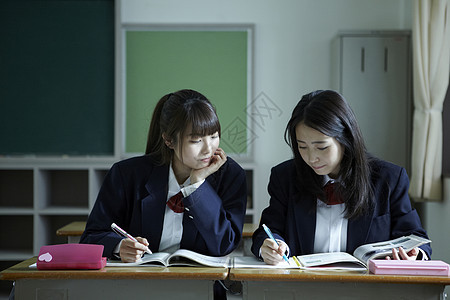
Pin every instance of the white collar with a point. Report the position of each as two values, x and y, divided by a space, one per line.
174 187
328 179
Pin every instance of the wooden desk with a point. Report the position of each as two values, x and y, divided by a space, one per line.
114 282
248 230
197 283
247 233
297 284
74 230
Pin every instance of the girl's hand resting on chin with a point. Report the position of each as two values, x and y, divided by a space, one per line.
217 160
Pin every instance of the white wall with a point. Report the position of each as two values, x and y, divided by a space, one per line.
292 49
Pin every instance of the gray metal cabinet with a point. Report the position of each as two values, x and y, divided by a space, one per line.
375 78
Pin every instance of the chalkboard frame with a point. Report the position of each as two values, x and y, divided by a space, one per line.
237 130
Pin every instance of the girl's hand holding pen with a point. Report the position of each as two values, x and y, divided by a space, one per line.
271 252
131 251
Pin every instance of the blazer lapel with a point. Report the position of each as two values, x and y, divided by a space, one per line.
304 211
358 231
153 206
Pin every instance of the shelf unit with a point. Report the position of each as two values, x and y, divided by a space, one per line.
39 196
250 216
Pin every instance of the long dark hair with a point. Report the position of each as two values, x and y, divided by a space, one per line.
327 112
174 113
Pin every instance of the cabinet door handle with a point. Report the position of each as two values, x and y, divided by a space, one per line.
386 55
363 58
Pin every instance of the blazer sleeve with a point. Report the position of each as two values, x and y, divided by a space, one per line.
217 211
109 207
404 219
275 215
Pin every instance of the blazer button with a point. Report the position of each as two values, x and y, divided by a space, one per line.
186 209
191 217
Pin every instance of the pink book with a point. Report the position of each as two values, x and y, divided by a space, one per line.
409 267
71 256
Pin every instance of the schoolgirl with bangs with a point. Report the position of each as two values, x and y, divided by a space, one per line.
182 155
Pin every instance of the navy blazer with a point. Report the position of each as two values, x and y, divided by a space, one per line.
134 196
291 214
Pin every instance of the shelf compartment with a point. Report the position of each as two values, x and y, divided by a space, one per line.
248 218
16 188
63 188
96 180
249 175
49 224
99 177
13 227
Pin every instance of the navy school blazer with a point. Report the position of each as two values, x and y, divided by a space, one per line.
291 214
134 195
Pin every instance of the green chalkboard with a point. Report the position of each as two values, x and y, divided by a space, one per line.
213 62
57 77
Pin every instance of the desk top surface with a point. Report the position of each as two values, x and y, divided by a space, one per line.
74 228
245 274
77 228
23 271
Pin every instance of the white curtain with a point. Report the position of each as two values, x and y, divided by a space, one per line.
431 69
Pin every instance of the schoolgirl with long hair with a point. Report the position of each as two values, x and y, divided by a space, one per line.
333 195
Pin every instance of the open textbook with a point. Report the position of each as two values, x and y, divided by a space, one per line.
339 260
181 257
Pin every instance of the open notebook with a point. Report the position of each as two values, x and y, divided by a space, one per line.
339 260
181 257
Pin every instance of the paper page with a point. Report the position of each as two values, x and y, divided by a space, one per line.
253 262
331 260
147 260
339 266
183 257
382 249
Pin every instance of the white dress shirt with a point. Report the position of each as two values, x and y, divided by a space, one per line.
331 227
173 222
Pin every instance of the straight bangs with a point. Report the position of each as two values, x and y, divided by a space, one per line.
204 121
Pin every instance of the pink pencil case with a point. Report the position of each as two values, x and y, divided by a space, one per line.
71 256
409 267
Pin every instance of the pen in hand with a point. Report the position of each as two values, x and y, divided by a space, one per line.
269 233
123 233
